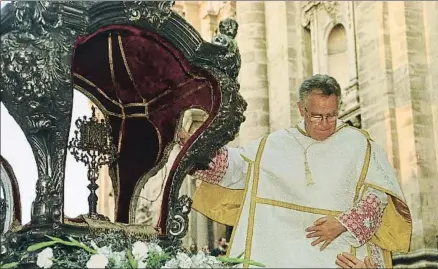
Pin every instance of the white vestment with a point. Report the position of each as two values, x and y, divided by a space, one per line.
279 202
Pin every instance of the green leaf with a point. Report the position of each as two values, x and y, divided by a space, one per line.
9 265
131 260
54 238
155 260
74 243
239 261
73 240
41 245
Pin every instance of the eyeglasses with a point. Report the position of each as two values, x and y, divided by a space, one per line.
317 119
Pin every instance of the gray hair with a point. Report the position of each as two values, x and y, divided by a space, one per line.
324 83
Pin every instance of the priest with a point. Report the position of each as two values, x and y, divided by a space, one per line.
302 196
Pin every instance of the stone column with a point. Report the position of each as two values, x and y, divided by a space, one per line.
431 35
375 77
277 65
179 8
209 19
289 61
192 13
299 56
310 20
227 9
418 168
253 74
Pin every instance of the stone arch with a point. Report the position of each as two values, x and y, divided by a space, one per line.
337 53
340 58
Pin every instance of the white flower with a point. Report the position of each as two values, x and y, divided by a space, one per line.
200 260
106 251
184 260
141 265
44 258
97 261
213 262
173 263
140 251
155 248
119 259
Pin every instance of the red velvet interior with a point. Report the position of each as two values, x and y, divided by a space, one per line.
161 77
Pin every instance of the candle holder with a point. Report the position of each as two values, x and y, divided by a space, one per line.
92 146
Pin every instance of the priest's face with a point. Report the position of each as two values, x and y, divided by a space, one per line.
320 113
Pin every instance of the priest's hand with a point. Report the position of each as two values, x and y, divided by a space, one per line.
326 229
183 136
346 260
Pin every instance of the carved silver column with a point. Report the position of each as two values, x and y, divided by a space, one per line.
36 46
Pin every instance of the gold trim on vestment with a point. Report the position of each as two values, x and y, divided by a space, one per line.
364 171
248 177
387 258
253 202
221 204
303 132
394 233
353 251
369 252
296 207
246 159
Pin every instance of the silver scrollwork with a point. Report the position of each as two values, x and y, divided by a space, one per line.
178 221
35 88
154 12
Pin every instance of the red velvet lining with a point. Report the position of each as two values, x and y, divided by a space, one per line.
162 77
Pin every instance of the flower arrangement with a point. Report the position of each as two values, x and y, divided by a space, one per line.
140 254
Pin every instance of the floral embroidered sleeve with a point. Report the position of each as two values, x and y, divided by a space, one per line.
363 219
217 168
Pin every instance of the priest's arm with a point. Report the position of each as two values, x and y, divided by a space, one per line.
221 192
380 216
364 218
229 166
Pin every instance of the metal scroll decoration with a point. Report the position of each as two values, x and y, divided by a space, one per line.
8 199
37 39
155 13
220 58
93 146
223 61
6 207
36 44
